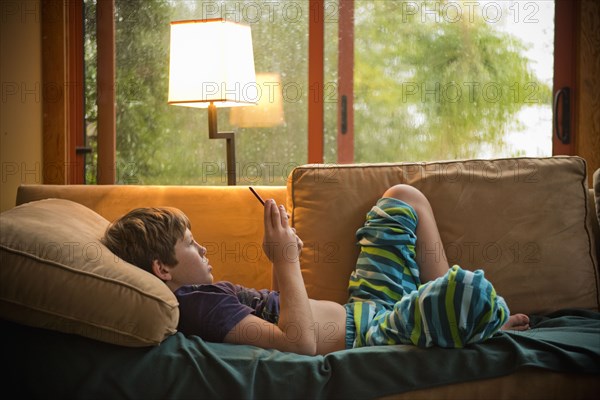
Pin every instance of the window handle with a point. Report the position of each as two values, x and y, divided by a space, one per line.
83 150
563 131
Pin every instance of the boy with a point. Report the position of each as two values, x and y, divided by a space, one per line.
398 293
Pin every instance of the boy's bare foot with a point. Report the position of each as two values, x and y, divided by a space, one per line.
517 322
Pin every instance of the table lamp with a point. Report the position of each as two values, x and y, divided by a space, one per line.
212 65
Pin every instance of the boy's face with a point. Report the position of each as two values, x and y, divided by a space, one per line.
192 267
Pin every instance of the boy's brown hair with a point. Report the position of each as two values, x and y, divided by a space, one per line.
147 234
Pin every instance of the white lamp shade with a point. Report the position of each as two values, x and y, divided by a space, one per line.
211 61
269 110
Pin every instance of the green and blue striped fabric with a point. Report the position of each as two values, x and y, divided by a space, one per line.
389 304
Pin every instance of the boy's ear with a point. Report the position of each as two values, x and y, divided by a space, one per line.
162 271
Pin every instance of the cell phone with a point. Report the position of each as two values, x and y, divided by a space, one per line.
257 195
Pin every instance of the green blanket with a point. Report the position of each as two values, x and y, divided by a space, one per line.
49 364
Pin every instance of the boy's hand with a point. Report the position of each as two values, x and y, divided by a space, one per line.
280 242
282 246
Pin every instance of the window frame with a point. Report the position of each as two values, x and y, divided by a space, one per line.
106 92
63 121
62 98
565 68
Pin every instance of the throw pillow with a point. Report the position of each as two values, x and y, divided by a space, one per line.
55 274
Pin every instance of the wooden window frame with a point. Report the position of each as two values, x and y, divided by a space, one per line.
62 97
62 70
316 81
565 69
106 92
316 78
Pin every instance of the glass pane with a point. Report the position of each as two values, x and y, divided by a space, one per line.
91 112
450 79
162 144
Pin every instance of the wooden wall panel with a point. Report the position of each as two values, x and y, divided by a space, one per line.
54 122
588 134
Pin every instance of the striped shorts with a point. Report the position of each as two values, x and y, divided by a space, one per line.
389 305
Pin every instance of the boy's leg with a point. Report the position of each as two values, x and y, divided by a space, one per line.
386 306
452 311
386 268
401 248
430 254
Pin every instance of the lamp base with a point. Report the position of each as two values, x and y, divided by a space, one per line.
213 133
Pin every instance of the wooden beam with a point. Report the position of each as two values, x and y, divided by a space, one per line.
62 91
107 117
565 68
316 41
588 112
76 88
54 124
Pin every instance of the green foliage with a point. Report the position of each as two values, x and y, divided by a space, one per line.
442 87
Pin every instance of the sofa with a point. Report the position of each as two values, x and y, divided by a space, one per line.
78 322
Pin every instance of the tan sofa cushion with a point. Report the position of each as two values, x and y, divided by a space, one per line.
524 221
227 220
56 274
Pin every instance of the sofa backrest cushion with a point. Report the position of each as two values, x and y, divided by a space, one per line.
525 221
55 274
227 220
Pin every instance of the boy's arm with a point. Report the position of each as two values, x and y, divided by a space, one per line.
295 330
274 281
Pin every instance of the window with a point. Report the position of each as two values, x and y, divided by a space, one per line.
158 143
431 80
444 80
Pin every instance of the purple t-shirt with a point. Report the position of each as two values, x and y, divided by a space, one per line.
211 311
